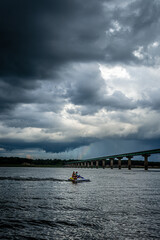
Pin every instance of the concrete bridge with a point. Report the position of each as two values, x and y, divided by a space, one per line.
95 161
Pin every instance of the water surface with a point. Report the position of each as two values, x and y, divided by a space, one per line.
38 203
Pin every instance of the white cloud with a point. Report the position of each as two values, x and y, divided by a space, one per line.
116 27
139 53
2 149
135 82
114 71
155 44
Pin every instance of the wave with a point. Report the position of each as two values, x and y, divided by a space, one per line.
32 179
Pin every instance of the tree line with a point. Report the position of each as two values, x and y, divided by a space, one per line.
32 162
17 161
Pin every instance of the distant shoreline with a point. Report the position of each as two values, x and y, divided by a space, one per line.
63 166
52 163
20 165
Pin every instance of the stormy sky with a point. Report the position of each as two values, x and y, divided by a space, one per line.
79 79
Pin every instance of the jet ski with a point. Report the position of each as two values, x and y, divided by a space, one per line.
79 179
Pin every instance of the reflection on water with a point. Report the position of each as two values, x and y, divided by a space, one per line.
38 203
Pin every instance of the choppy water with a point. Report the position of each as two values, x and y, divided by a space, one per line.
38 203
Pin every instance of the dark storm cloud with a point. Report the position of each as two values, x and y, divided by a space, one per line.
11 95
38 36
48 146
112 102
152 101
39 39
91 95
138 24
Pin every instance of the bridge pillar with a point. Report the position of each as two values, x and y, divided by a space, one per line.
119 162
87 164
91 164
81 164
78 165
103 163
129 162
97 164
146 161
111 162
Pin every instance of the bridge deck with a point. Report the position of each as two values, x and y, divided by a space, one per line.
132 154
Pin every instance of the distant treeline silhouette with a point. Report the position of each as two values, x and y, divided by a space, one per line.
13 161
28 162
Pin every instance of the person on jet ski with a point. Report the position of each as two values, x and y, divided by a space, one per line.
74 176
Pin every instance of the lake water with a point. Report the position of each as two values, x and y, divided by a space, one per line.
38 203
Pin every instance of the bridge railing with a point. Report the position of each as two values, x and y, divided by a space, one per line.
94 162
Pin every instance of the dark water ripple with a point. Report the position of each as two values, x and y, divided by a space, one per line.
32 179
114 205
